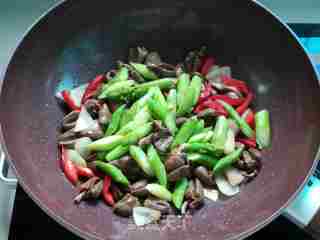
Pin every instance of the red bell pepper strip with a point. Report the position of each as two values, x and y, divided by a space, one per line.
69 169
85 172
206 92
218 108
93 87
207 64
248 115
249 142
107 195
227 99
214 105
199 108
245 103
69 101
109 198
240 85
106 183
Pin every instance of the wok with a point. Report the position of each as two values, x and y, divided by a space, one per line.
76 40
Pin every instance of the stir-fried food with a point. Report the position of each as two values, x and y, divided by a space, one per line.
152 139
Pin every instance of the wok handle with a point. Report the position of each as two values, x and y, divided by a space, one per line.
304 210
313 228
10 182
309 207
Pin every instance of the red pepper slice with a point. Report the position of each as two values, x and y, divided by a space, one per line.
206 92
249 142
85 172
218 108
227 99
249 117
214 105
93 87
69 101
245 103
207 64
109 198
240 85
107 195
70 172
199 108
69 169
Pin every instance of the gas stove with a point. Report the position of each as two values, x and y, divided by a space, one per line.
21 218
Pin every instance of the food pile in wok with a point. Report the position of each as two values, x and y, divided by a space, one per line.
153 139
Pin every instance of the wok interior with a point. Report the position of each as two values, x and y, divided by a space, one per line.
80 39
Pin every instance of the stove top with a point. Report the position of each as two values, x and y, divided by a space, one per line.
30 222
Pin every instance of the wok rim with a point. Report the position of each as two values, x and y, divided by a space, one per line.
87 235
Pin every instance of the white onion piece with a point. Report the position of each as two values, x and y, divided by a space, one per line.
211 194
230 144
75 158
85 122
234 176
59 96
226 70
81 146
143 215
225 187
77 93
214 74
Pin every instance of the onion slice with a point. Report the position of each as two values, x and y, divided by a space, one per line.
226 71
59 96
211 194
214 74
85 122
143 215
225 187
77 93
234 176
